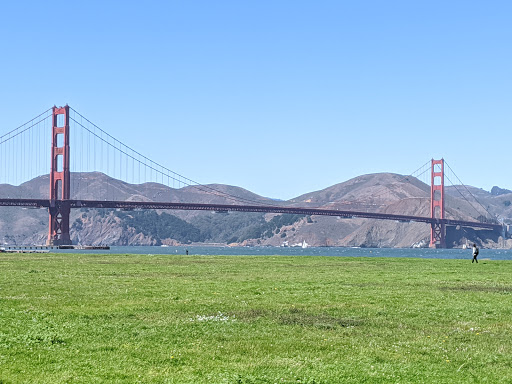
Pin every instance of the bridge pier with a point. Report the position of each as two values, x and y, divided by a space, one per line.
59 224
437 235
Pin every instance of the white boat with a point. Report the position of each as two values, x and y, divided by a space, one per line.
301 245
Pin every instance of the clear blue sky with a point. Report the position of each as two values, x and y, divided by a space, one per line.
278 97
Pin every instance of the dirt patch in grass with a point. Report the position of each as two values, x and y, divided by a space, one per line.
251 314
296 316
303 318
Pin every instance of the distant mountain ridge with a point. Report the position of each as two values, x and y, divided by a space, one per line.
496 191
381 192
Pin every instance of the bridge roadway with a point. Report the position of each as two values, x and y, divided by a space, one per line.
139 205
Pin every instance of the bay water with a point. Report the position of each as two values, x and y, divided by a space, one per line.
426 253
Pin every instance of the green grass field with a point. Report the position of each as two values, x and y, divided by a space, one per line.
70 318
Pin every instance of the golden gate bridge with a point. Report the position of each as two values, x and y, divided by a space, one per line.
92 147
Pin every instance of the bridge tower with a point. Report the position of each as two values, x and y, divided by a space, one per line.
437 229
59 179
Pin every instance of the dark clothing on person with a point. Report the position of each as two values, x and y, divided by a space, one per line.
475 253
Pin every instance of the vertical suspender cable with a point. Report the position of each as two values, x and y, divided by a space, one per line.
94 151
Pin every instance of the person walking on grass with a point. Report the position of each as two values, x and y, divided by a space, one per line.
475 253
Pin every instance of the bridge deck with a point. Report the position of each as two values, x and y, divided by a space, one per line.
136 205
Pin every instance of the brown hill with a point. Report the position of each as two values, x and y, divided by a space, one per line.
384 192
371 191
497 205
27 227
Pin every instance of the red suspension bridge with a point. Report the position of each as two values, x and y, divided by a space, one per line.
53 126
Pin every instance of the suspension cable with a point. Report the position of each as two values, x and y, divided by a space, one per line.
153 166
20 132
28 122
474 197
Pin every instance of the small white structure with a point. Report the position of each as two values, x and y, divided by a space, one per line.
301 245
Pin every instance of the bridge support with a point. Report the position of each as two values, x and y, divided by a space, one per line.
437 229
59 179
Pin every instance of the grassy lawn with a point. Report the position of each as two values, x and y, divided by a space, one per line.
70 318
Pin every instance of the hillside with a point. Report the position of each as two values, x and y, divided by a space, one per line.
384 192
498 204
